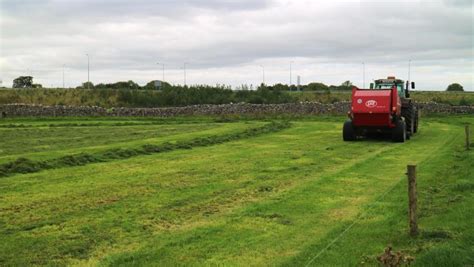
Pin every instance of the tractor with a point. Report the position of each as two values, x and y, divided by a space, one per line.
384 108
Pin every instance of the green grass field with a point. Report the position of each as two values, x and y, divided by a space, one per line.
237 193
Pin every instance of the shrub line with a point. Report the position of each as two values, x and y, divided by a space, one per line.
24 165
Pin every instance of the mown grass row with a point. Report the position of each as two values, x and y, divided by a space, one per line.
52 125
21 125
24 165
138 122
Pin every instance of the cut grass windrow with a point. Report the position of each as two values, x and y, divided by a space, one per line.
138 122
97 124
24 165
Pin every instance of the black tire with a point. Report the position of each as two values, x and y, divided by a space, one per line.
408 113
348 131
399 133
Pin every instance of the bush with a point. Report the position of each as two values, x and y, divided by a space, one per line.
464 102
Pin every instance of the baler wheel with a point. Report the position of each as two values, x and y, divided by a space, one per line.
399 133
348 131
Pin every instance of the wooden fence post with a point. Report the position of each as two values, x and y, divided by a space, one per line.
468 140
411 172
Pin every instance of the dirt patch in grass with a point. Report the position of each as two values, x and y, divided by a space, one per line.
265 188
275 217
394 259
108 201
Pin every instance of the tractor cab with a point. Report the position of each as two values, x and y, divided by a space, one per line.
391 82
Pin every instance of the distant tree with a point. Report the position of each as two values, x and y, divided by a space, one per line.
100 86
455 87
150 86
126 85
243 87
347 85
281 87
86 85
23 82
316 87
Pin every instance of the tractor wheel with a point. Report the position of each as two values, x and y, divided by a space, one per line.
409 113
417 117
348 131
399 133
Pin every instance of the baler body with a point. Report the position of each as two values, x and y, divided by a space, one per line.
374 108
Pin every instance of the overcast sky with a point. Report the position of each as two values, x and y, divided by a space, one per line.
227 41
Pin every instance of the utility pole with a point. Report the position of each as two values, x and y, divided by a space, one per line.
409 65
163 64
363 75
263 74
63 75
291 77
184 72
88 70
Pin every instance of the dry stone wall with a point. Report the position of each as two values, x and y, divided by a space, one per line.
303 108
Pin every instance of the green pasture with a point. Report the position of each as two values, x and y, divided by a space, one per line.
292 196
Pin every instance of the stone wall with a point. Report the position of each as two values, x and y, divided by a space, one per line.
433 107
304 108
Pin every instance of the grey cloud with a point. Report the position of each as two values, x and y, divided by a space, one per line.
459 3
131 36
120 8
